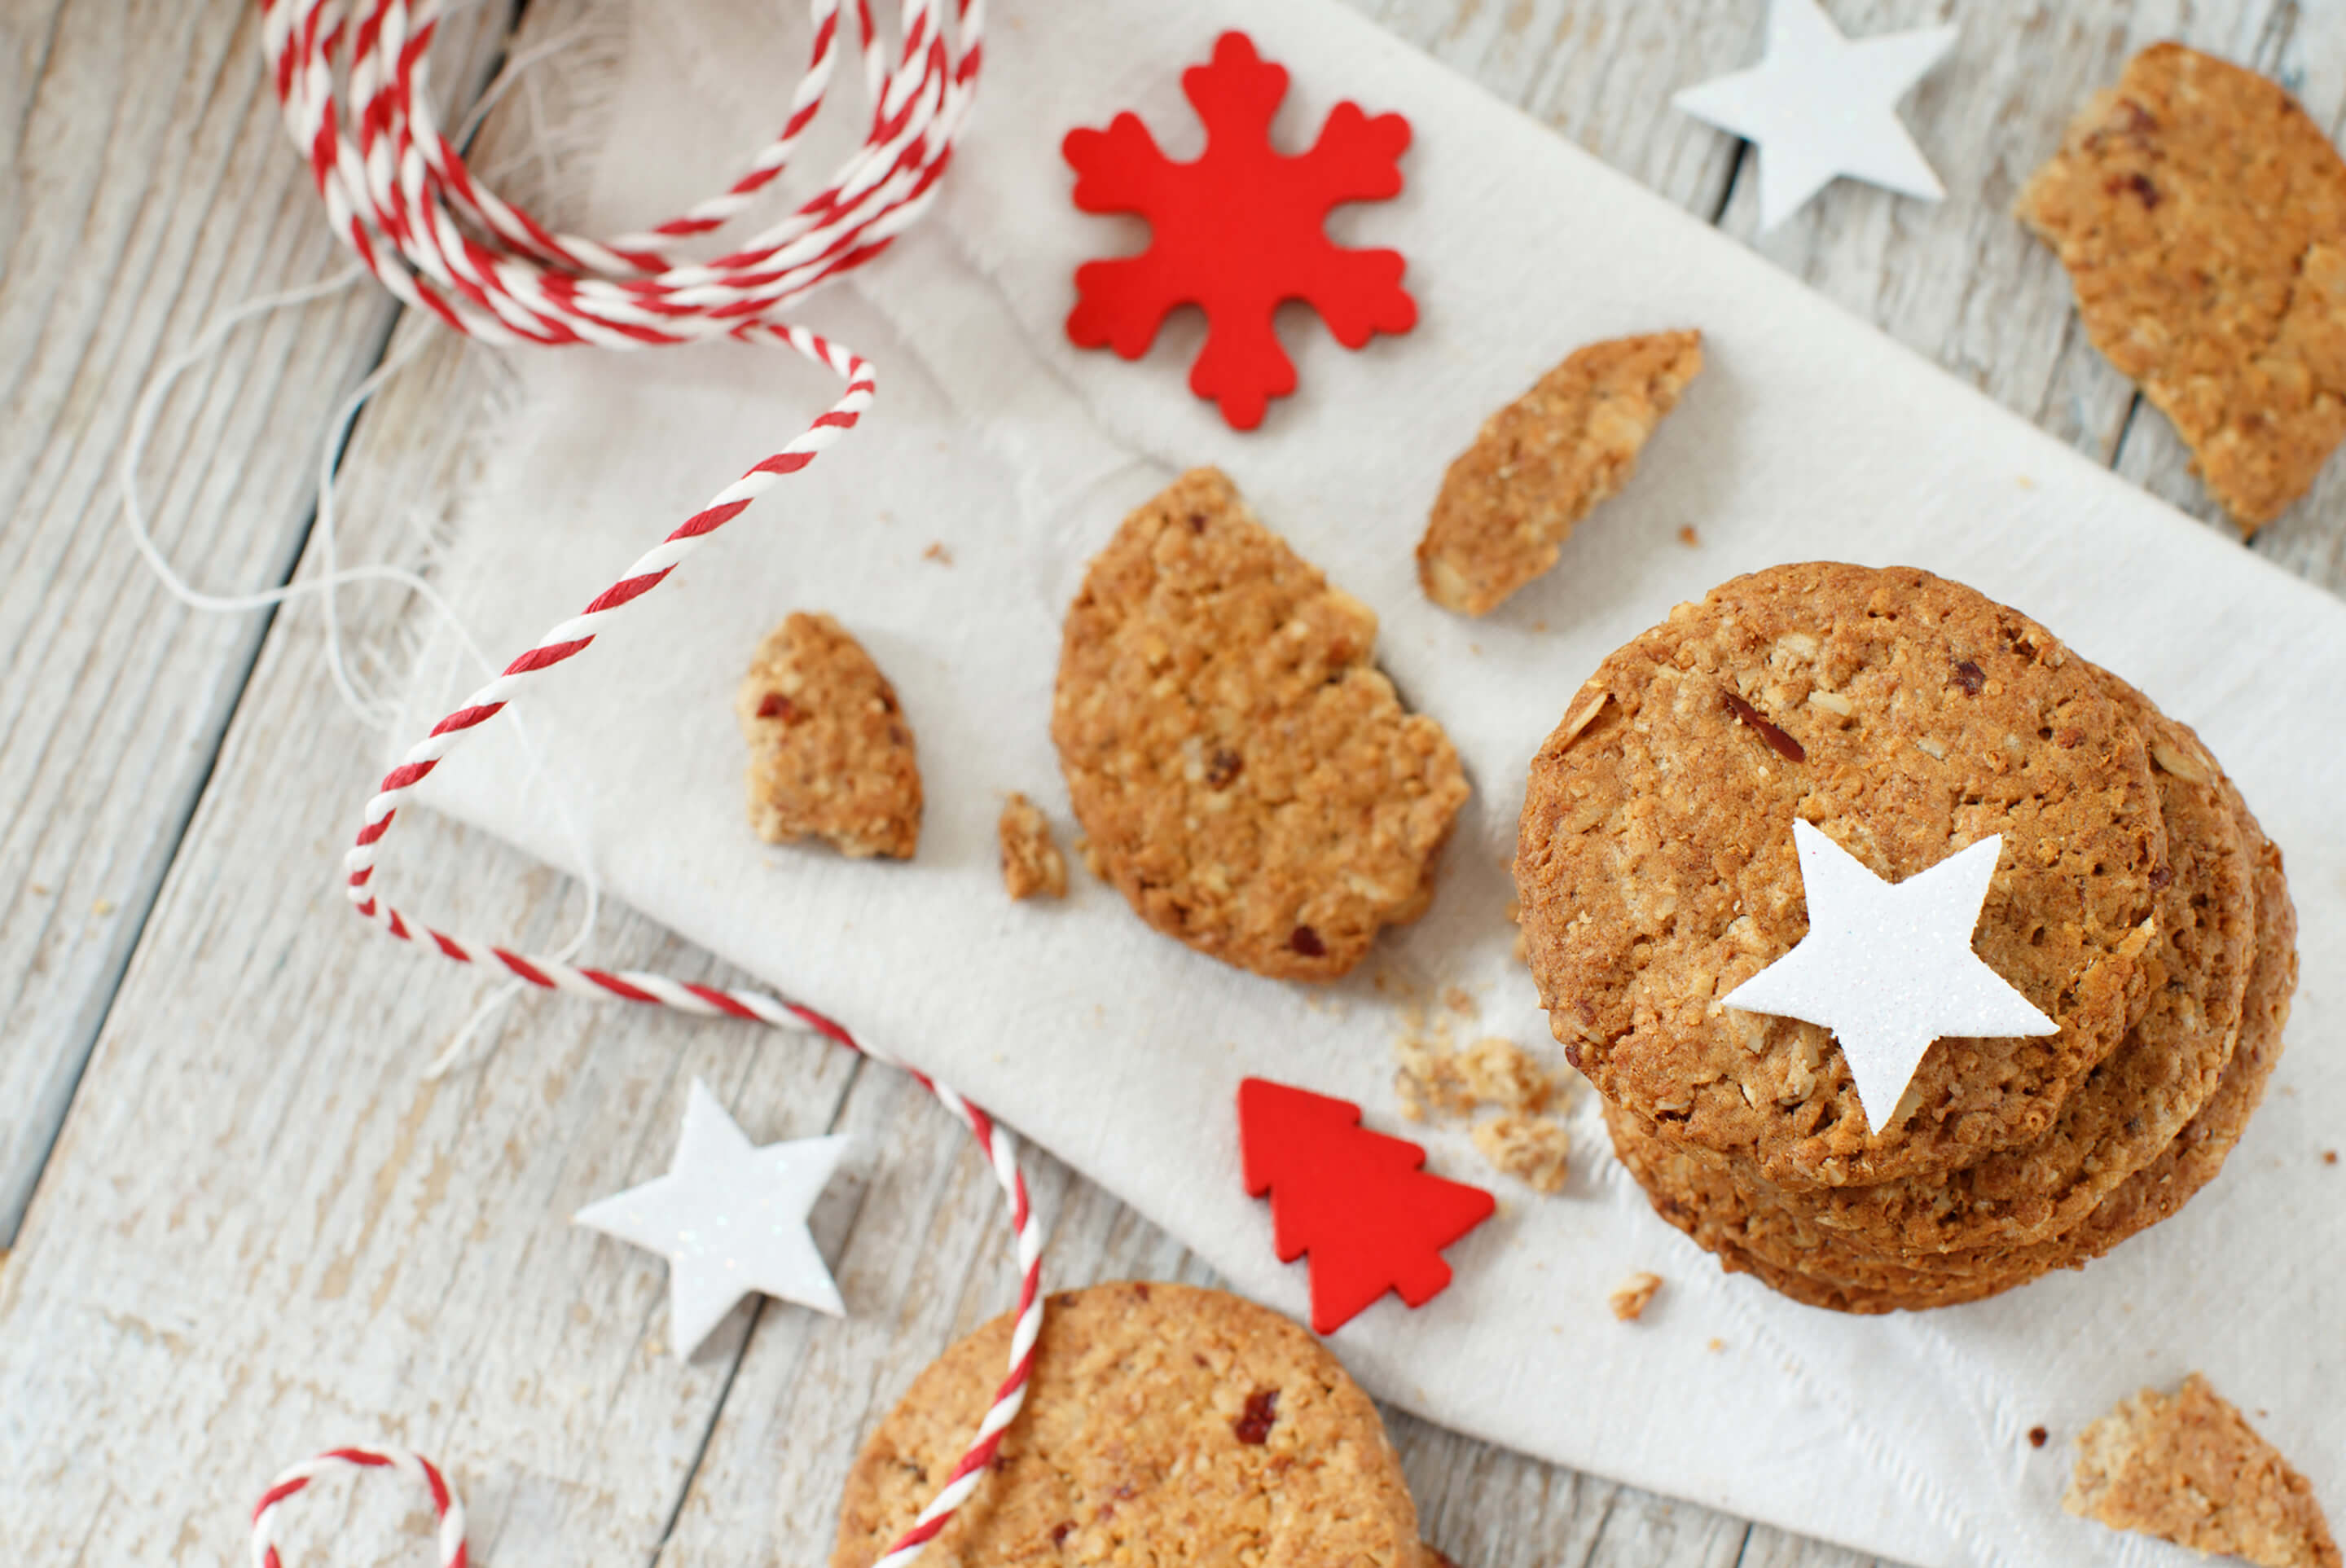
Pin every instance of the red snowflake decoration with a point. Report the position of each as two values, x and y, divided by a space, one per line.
1358 1201
1238 231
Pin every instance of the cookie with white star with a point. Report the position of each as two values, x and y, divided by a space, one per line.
2133 1105
1780 1236
1906 718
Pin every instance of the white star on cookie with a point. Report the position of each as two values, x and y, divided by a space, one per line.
731 1218
1819 105
1889 967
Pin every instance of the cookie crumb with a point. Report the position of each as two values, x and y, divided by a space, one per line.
1688 537
2329 1157
1716 1346
1539 465
1635 1294
831 752
2189 1468
1455 999
2038 1437
1534 1150
1493 1072
1496 1071
938 552
1031 866
1427 1082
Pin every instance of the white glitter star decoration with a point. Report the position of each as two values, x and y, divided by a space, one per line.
1889 967
1819 105
731 1218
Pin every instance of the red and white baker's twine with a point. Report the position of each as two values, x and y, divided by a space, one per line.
398 194
446 1504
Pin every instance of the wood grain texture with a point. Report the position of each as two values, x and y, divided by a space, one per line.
129 221
260 1232
1600 72
1960 280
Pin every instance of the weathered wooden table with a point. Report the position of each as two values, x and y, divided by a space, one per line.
240 1225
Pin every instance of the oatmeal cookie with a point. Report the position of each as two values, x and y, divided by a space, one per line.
1243 773
1541 463
1908 717
831 753
2189 1468
2202 218
1783 1246
2162 1187
2131 1106
1165 1424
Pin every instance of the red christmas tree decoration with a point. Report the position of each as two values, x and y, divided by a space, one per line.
1356 1201
1237 231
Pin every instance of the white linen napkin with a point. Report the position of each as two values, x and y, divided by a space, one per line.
1810 435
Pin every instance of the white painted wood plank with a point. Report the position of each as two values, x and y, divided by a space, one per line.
263 1235
1600 72
151 188
190 1309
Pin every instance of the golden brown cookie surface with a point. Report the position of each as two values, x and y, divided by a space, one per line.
831 753
1243 773
1165 1425
2189 1468
1539 465
1780 1243
2202 218
1908 717
2160 1188
2131 1106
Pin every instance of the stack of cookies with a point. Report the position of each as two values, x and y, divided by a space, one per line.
2135 904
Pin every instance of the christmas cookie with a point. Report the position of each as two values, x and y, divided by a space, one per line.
1244 775
1781 1241
2202 216
2131 1106
2189 1468
831 754
1542 463
1031 866
2160 1188
1164 1422
1906 716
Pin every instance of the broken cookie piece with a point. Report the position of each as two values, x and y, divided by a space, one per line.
831 753
1244 774
1634 1295
2201 215
1542 463
2187 1468
1031 866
